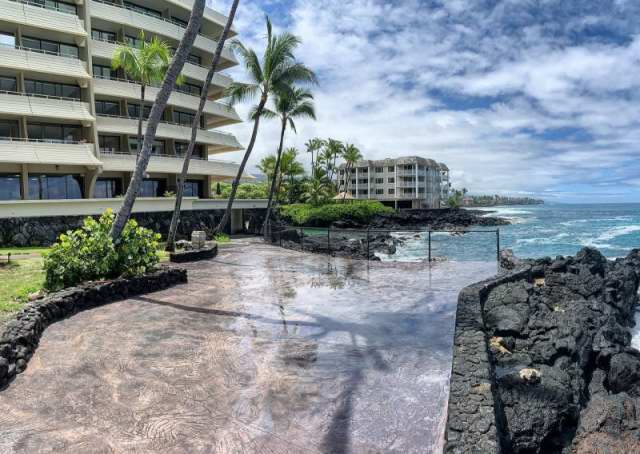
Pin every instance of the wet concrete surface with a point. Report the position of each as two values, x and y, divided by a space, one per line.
264 351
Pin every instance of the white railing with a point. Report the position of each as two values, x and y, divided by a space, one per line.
46 5
39 51
110 151
124 117
38 95
50 141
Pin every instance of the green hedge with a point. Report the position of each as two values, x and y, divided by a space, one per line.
305 214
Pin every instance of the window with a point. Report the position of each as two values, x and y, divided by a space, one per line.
420 177
102 35
407 190
104 72
152 188
181 149
363 192
353 181
392 191
363 170
56 5
185 118
7 39
39 87
108 188
353 192
109 144
379 180
363 181
142 9
391 180
341 172
50 187
54 132
8 84
9 128
107 108
194 59
190 89
391 169
134 111
193 188
157 148
10 187
54 47
133 41
421 190
379 169
379 191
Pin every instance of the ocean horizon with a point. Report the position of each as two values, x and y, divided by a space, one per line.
537 231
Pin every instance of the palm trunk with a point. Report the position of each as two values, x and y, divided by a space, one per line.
274 179
313 167
236 182
140 118
154 118
346 182
171 238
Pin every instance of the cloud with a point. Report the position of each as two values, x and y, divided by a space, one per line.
516 96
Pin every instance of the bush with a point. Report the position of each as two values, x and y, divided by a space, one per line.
324 215
89 253
245 191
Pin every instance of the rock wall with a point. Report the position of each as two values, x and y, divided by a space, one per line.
555 352
43 231
21 335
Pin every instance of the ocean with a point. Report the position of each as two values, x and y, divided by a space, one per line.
536 231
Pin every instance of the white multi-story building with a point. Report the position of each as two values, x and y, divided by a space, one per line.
68 122
407 182
445 182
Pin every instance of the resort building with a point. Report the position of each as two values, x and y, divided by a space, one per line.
403 183
445 182
68 122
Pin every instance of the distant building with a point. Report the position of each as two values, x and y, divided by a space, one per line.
403 183
445 182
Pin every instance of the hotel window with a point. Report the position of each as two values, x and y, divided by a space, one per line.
157 148
420 177
391 169
53 187
107 108
363 181
7 39
391 180
39 87
190 89
108 188
54 47
54 132
353 192
56 5
379 169
379 180
10 187
421 190
186 118
102 35
353 181
142 9
152 188
194 59
9 128
134 111
392 191
104 72
193 188
407 190
379 191
181 149
363 192
363 170
8 84
109 144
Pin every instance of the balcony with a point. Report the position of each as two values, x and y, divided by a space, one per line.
31 15
125 162
23 151
218 142
218 114
50 107
23 59
210 15
160 26
105 49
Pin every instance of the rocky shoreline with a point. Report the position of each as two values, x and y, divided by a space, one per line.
558 368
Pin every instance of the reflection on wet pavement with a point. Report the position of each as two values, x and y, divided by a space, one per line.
264 351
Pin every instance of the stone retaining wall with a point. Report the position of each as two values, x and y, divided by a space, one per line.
472 413
43 231
21 335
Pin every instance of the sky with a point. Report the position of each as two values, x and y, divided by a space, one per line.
535 98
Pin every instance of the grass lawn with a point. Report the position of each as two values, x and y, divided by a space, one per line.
17 280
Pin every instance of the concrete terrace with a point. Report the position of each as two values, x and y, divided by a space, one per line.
264 351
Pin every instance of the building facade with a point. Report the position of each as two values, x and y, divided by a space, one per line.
445 183
407 182
68 122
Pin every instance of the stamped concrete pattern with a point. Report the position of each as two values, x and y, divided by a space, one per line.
263 351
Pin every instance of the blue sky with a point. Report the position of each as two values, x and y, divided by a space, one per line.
530 97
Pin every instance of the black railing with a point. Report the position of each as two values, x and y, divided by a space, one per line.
315 239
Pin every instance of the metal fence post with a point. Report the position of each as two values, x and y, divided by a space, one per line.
498 245
329 240
302 239
368 242
429 245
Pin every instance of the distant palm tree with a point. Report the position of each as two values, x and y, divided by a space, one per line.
314 146
290 167
267 166
351 155
168 84
333 150
316 191
146 64
173 228
289 105
277 71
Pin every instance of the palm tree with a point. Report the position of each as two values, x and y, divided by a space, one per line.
333 150
313 146
276 72
351 155
316 191
267 166
146 65
289 104
290 167
173 228
168 84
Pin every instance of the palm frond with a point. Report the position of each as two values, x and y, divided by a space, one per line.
292 125
239 92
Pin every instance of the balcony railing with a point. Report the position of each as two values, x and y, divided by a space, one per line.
39 51
38 95
56 141
125 117
45 5
111 151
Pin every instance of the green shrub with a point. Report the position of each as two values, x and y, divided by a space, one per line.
324 215
222 238
89 253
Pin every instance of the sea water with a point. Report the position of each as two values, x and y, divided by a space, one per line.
535 231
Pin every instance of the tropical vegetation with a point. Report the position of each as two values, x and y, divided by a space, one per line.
323 215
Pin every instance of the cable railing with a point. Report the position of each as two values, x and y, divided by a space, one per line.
125 117
135 82
153 16
45 5
49 141
111 151
39 51
39 95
